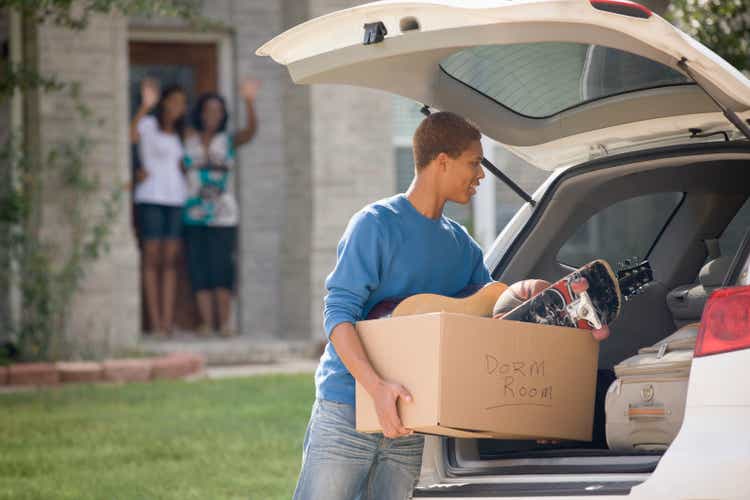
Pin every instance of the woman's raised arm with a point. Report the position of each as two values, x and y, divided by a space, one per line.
149 98
248 91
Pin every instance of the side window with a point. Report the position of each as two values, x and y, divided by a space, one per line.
628 228
732 236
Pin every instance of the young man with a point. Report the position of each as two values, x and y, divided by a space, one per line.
396 247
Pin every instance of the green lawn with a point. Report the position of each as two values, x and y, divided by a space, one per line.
235 438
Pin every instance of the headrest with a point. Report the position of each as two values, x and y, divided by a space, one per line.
713 272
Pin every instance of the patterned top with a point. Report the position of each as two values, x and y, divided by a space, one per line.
210 179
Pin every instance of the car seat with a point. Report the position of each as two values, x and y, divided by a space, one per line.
686 302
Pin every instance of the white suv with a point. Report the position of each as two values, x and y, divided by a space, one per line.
645 132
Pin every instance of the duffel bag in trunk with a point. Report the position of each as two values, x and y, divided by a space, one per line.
645 405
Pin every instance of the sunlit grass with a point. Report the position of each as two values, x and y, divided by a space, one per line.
236 438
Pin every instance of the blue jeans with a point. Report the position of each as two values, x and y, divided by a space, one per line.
339 463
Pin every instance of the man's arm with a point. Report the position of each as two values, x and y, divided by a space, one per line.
350 284
385 394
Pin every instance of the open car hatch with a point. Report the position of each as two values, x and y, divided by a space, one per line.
556 81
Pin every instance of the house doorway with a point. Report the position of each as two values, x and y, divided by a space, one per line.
193 66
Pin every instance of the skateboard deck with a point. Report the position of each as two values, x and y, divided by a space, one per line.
588 298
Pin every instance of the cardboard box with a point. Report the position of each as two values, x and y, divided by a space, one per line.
480 377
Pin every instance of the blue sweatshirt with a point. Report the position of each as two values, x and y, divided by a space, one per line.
391 250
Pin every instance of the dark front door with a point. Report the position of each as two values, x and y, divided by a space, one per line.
193 66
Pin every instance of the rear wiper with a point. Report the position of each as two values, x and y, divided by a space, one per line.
731 115
495 171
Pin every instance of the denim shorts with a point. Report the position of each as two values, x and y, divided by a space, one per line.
210 256
158 222
339 463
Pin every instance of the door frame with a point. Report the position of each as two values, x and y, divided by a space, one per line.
225 75
226 86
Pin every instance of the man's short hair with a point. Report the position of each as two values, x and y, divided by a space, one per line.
442 132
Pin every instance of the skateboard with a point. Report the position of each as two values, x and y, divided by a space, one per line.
474 300
589 298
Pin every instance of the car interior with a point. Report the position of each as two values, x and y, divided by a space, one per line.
684 209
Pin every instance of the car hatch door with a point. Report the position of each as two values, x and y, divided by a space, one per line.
556 81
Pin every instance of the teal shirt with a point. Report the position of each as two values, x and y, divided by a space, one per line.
210 173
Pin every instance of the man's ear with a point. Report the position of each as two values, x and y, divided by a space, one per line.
442 160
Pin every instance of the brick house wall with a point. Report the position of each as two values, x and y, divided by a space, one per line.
104 316
311 165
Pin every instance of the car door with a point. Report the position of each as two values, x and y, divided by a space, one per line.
556 81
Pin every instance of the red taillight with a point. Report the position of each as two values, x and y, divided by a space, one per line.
624 7
725 324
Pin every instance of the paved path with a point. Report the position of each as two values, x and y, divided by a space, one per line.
299 366
235 351
212 373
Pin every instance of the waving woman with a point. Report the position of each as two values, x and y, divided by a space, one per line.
160 194
211 213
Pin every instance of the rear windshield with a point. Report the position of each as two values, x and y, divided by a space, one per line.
538 80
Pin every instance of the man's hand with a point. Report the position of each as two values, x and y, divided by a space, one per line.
385 395
600 334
